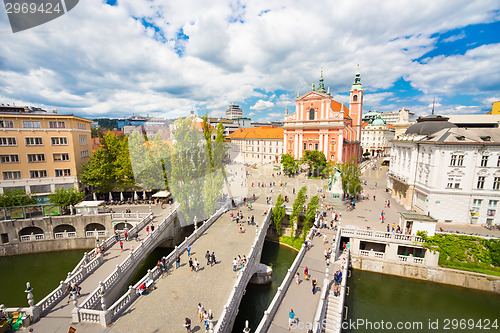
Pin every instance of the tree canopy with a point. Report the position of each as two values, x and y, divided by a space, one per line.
16 198
311 209
298 206
316 161
278 213
109 167
290 164
66 197
350 173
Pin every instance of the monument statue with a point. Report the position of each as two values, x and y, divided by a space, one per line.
333 181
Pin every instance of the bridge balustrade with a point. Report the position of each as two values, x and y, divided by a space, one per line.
269 314
230 309
59 235
379 234
111 314
32 237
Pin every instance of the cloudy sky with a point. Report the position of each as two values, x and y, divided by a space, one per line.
167 57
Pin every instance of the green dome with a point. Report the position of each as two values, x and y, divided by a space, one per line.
378 121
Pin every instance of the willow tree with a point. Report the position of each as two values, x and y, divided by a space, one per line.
310 214
150 160
350 173
278 213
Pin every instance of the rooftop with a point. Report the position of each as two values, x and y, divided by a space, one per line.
262 132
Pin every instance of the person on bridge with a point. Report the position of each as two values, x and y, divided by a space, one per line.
177 261
196 264
314 284
121 246
212 259
188 249
291 318
199 311
306 273
190 264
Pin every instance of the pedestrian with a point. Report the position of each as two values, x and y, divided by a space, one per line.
325 238
147 229
177 261
253 220
207 256
116 236
199 311
152 227
190 264
314 284
212 259
306 273
78 289
187 325
131 249
388 227
393 226
196 264
125 234
291 318
297 278
205 320
374 197
121 246
235 264
188 250
70 289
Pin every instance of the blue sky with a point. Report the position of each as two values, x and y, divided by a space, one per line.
164 58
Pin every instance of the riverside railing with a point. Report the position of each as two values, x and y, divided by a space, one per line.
229 312
269 314
106 316
89 263
380 235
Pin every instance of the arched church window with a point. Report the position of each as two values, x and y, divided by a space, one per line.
355 98
311 114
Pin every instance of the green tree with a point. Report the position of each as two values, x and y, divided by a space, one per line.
350 177
66 197
311 209
316 161
298 206
109 167
16 198
278 213
290 165
187 178
150 160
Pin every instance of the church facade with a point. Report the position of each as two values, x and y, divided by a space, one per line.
321 123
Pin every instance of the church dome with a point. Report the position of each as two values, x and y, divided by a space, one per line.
378 121
429 125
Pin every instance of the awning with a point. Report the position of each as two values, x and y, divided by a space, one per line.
161 194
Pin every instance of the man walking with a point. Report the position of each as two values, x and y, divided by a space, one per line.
212 259
207 256
177 261
188 249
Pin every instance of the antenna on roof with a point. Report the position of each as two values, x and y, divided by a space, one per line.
433 102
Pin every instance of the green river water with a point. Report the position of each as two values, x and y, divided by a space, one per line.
373 298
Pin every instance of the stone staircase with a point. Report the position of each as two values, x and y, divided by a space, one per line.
335 304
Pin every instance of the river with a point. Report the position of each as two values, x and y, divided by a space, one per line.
375 297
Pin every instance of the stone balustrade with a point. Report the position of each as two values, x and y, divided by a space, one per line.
378 235
231 308
269 314
65 234
32 237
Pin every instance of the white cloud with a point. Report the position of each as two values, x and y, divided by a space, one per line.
454 37
262 105
99 60
251 114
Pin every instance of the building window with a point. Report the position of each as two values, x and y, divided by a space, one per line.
57 124
85 153
496 183
11 175
453 161
355 98
6 124
36 157
38 173
83 139
59 141
9 158
316 146
61 157
63 172
8 142
311 114
31 124
305 146
33 141
480 182
460 160
484 161
492 207
82 126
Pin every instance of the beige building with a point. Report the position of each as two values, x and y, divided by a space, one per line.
41 151
256 145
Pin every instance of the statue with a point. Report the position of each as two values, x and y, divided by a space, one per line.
336 176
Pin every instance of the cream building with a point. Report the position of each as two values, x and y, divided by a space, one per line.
41 151
451 173
376 136
256 145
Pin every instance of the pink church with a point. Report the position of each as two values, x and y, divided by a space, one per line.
321 123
